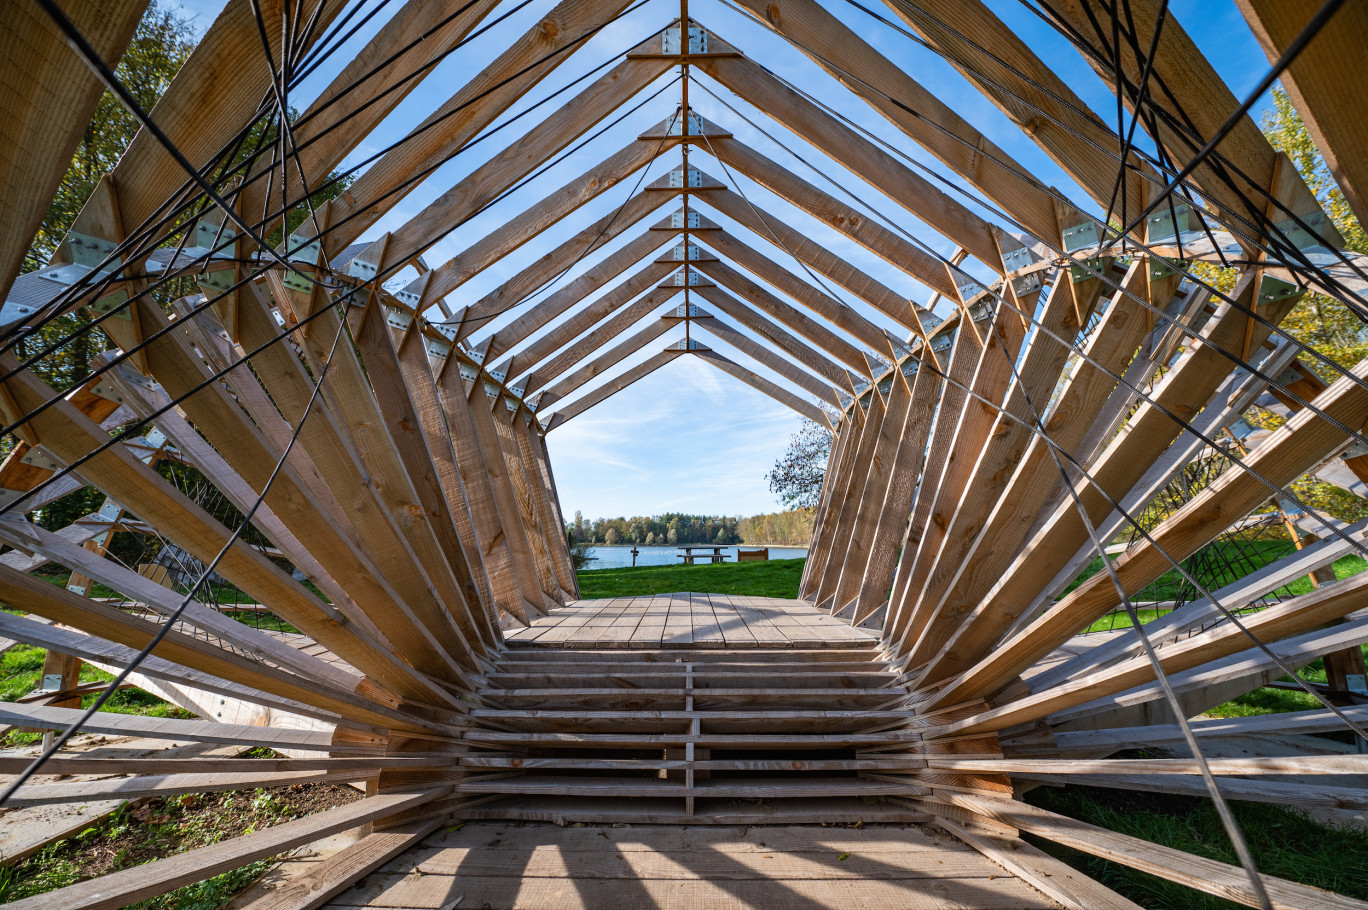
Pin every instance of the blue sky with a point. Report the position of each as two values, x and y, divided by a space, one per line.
688 437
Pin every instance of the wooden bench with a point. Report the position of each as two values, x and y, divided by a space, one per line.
760 555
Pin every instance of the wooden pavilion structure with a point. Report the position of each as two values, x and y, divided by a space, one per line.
370 442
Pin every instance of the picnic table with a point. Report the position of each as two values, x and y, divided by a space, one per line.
688 555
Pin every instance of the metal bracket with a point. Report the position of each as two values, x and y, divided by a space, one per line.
500 377
87 256
690 344
1089 233
302 250
491 390
692 254
1082 271
980 311
116 303
36 457
686 311
1273 290
296 283
677 124
679 181
469 373
969 290
9 497
1297 235
943 342
1161 225
209 236
106 390
698 40
677 219
1159 267
1026 284
436 348
1019 258
687 277
397 319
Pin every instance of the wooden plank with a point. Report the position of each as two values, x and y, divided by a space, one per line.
71 436
1195 87
817 257
875 572
967 505
488 559
397 394
516 231
604 362
530 58
964 357
781 340
1314 82
918 195
562 299
860 512
571 119
821 303
433 593
343 869
49 97
486 436
764 356
925 118
1040 870
1301 443
763 385
1229 882
153 786
371 85
769 304
610 388
118 889
1149 432
516 592
1112 344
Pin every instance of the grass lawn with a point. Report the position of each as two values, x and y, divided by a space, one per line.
1284 842
773 578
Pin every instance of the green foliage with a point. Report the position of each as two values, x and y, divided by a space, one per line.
792 528
1324 323
1284 843
774 578
671 527
160 46
796 477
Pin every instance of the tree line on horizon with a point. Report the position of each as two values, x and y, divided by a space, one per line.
673 528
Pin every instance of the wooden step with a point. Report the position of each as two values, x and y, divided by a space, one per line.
621 787
568 810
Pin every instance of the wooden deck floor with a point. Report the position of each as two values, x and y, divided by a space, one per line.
543 867
686 620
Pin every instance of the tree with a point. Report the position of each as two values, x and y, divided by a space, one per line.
611 537
650 538
673 535
579 525
1324 323
796 477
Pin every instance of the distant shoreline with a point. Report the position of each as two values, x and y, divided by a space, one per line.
675 546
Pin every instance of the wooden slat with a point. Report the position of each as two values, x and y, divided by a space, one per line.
118 889
49 97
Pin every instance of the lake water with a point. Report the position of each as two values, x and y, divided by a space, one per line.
621 557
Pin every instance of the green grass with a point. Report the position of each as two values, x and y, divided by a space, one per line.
21 670
773 578
1284 843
